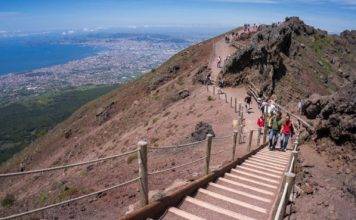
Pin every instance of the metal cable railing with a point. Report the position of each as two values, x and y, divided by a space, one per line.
176 167
67 166
68 201
177 146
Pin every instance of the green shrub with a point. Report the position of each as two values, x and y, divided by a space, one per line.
43 198
210 98
8 200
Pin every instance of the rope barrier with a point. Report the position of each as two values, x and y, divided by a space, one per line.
66 166
179 166
219 152
177 146
68 201
221 138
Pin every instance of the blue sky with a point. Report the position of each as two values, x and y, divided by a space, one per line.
42 15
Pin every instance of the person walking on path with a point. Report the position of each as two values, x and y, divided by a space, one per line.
300 107
218 64
276 124
263 107
248 100
287 131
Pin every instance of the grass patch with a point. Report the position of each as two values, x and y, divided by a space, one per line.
8 200
43 198
67 192
210 98
155 120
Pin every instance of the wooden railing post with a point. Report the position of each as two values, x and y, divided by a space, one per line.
259 133
289 182
213 90
234 145
240 108
249 141
209 138
235 105
231 102
295 156
226 98
142 170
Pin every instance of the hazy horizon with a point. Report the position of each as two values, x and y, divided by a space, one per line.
39 15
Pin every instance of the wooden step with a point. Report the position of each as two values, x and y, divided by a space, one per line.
265 173
235 205
274 155
181 215
233 201
284 161
249 180
255 176
240 192
236 183
267 162
273 167
223 213
258 167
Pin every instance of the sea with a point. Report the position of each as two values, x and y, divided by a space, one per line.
23 54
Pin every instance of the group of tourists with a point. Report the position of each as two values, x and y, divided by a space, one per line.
247 29
278 128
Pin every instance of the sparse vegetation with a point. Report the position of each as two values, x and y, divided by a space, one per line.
155 120
210 98
67 192
8 200
43 198
25 121
131 158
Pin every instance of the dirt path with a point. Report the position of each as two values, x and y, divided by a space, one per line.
223 50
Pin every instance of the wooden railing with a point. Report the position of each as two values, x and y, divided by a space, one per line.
284 195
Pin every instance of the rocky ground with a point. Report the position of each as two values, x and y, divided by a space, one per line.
325 183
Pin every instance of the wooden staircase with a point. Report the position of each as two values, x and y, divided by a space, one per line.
248 191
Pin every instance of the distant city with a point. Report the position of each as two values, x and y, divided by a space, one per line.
121 57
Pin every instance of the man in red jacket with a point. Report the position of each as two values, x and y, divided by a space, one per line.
287 131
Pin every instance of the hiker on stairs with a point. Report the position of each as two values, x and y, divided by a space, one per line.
276 124
287 131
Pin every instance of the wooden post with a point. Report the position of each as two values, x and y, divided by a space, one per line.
209 138
234 145
142 170
235 105
242 113
226 98
213 90
207 87
290 180
295 155
240 108
231 102
259 133
249 141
